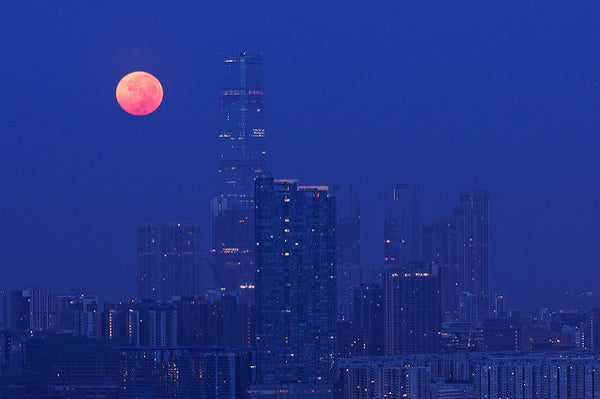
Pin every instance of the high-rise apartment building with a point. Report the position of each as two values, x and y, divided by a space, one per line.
149 267
499 306
474 223
181 250
401 228
538 377
242 157
184 372
592 334
295 283
458 244
441 249
78 314
349 273
31 309
368 317
169 260
368 377
412 320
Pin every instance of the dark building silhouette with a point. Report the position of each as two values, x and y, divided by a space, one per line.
592 335
349 274
242 157
74 367
295 283
441 248
185 322
18 310
458 244
467 307
368 317
502 334
169 260
31 309
224 322
196 323
184 372
474 214
351 340
499 309
149 267
3 299
412 311
12 352
401 228
181 259
78 314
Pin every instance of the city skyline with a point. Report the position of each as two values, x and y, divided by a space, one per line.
310 200
470 103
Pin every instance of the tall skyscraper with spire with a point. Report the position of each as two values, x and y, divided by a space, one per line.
241 157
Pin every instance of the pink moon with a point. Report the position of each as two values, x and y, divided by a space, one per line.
139 93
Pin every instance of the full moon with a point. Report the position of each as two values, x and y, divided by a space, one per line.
139 93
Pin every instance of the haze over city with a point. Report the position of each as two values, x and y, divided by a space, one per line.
502 97
324 200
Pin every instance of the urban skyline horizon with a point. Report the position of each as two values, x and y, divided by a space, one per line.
313 200
562 301
583 299
455 97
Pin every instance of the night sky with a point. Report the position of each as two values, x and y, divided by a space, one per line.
457 95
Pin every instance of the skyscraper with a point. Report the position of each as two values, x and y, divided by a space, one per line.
349 274
412 311
458 244
441 249
169 260
474 227
181 247
401 229
242 157
295 283
149 268
368 317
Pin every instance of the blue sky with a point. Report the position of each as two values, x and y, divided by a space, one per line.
456 95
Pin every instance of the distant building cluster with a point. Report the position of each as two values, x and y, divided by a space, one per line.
565 375
282 307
